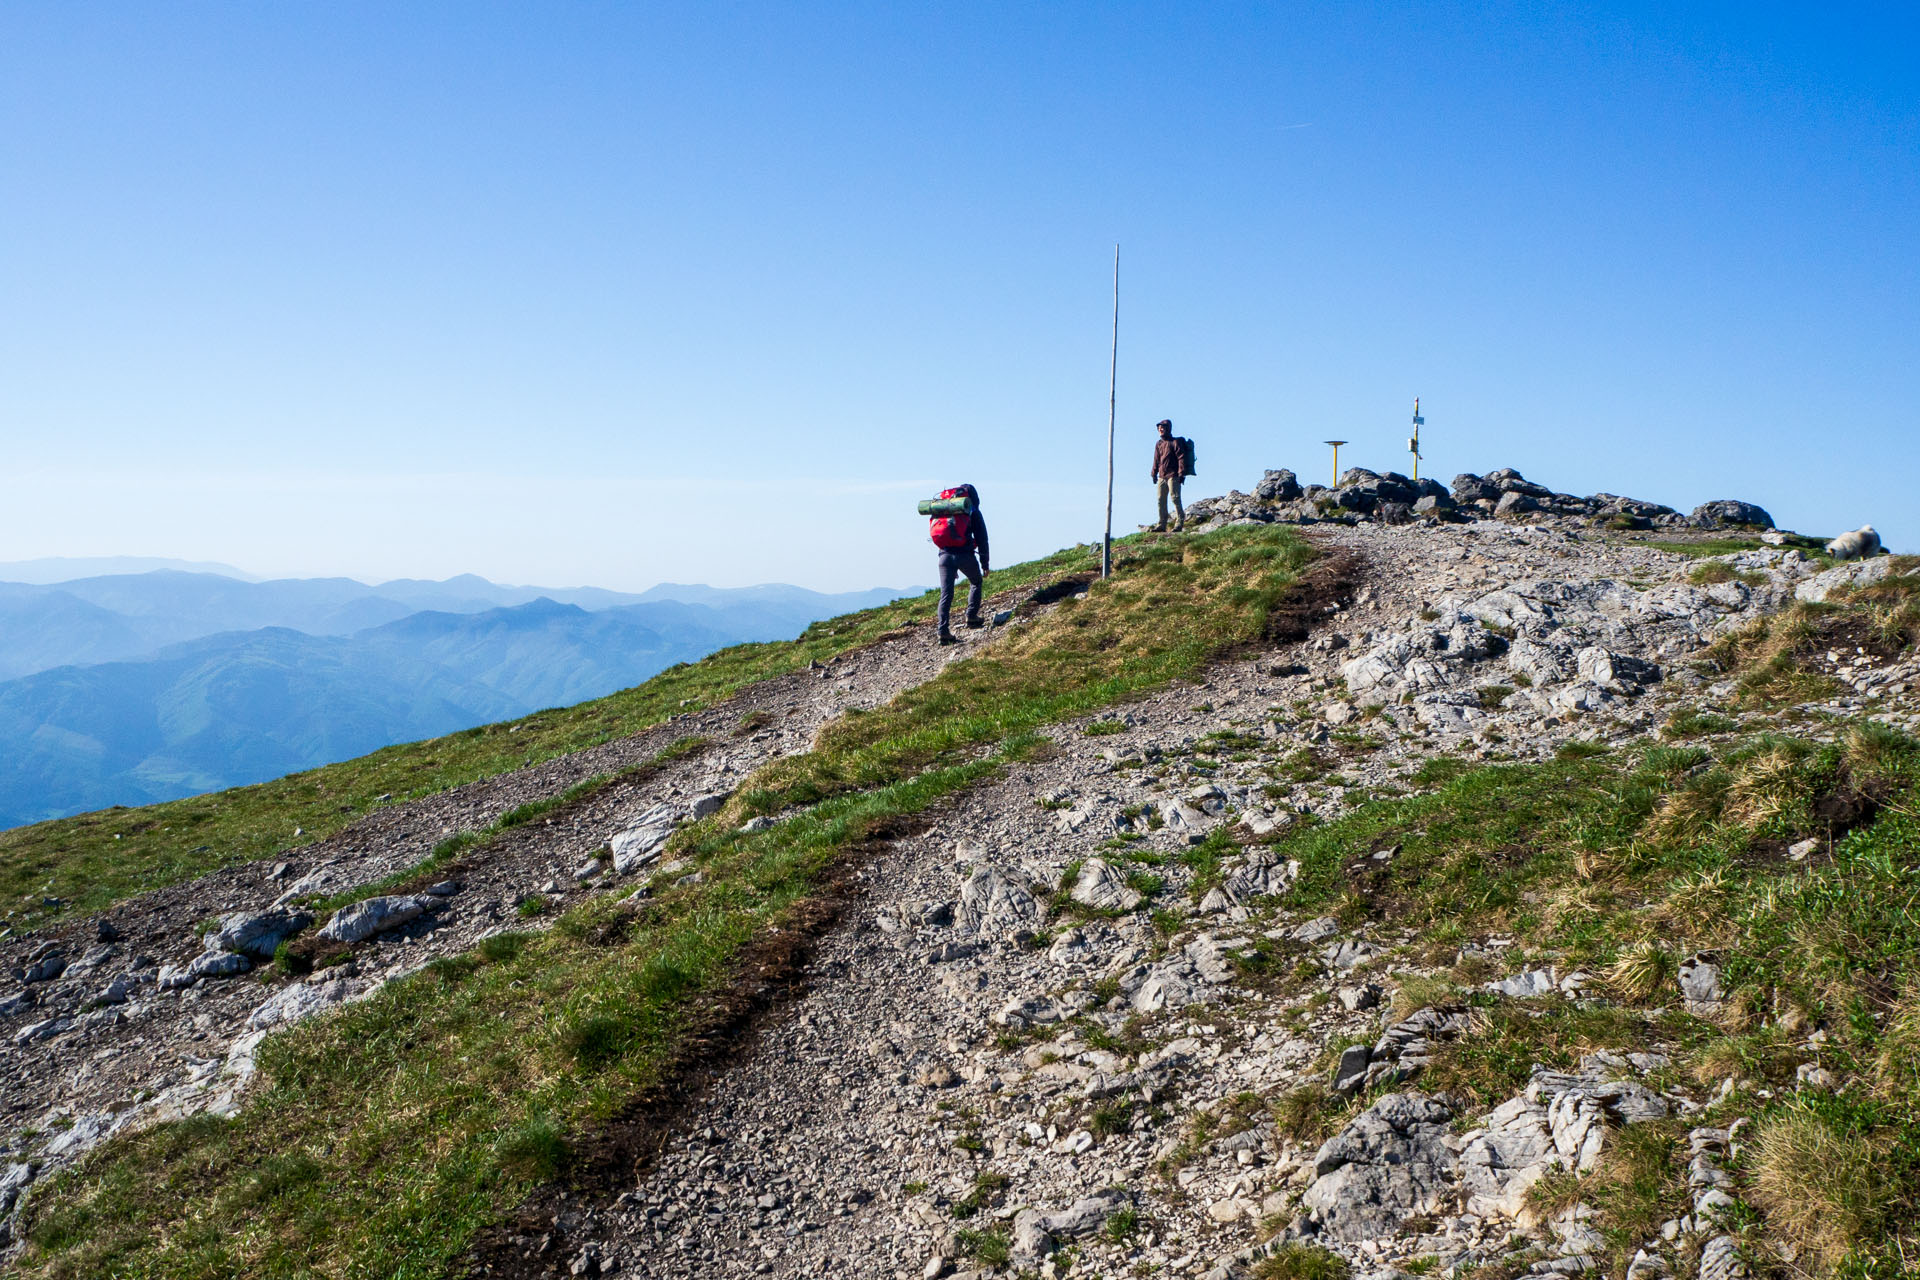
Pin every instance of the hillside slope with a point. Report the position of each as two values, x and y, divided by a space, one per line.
1541 908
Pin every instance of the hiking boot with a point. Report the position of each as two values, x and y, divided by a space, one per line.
975 621
947 637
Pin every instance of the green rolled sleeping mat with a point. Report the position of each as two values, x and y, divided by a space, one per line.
945 506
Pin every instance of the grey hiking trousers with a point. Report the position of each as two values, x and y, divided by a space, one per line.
952 565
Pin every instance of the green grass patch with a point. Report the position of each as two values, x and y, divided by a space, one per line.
1296 1261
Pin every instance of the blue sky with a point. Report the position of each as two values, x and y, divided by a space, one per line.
614 294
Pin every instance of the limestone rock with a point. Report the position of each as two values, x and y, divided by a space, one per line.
13 1180
1278 486
1720 1259
641 841
1318 929
1859 573
45 1029
993 904
257 934
1172 984
302 1000
1731 511
358 921
1351 1071
1542 664
1700 986
1103 888
1347 953
1524 986
1085 1216
1391 1163
45 969
218 964
1615 672
173 977
1262 874
1210 959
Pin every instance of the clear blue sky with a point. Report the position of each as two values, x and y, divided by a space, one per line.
617 293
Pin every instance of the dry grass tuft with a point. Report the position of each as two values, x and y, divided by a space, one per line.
1767 655
1599 864
1688 814
1766 786
1896 1065
1306 1114
1574 904
1642 971
1877 752
1417 992
1823 1190
1699 901
1296 1261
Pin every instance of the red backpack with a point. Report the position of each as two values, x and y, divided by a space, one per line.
950 533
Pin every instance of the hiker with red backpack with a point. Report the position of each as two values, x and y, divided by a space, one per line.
1172 463
960 533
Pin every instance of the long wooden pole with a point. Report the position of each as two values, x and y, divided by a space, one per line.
1113 382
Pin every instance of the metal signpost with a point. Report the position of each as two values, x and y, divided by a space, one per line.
1413 443
1336 460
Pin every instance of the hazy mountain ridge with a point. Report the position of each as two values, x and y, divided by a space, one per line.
126 720
117 617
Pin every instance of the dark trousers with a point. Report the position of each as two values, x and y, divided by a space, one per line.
952 564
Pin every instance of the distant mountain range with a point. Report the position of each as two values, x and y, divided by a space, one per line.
134 688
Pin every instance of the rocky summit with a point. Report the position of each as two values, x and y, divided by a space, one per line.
1522 887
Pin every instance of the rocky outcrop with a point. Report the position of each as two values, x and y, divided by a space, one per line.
1392 1163
1037 1234
257 934
1103 888
995 904
641 842
1729 511
1504 494
359 921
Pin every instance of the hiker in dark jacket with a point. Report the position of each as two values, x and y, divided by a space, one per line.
962 560
1169 469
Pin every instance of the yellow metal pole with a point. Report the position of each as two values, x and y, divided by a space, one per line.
1336 460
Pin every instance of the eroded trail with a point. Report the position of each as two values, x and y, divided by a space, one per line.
1032 1001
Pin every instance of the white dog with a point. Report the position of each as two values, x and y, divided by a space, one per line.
1858 545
